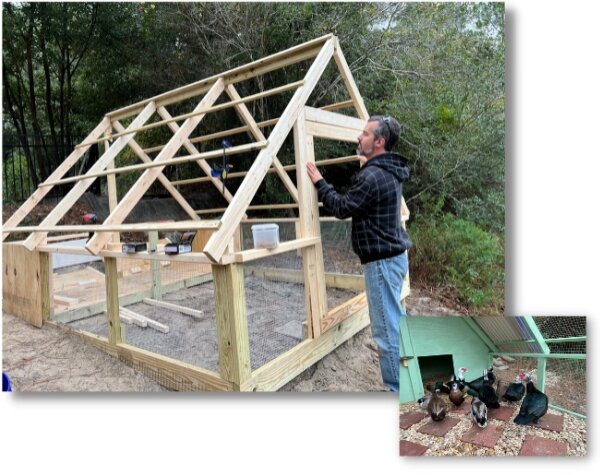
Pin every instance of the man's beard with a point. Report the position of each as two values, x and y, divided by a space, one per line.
364 153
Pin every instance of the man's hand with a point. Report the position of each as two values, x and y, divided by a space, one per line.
313 172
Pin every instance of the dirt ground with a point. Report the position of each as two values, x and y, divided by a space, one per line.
56 359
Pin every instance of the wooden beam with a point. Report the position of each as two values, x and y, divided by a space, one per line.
338 281
176 308
166 371
207 110
145 181
161 178
348 79
253 254
111 276
67 237
323 117
62 169
284 368
173 161
312 257
111 184
77 191
245 128
326 162
332 132
241 73
232 324
172 226
218 242
204 166
256 134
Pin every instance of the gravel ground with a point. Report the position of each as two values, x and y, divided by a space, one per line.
574 434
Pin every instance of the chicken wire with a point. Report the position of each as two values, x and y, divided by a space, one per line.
565 379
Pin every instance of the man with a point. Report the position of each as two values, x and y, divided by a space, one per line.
378 239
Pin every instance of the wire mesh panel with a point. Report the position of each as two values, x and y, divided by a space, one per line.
78 294
338 256
275 305
165 307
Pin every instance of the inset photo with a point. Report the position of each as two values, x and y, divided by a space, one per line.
493 386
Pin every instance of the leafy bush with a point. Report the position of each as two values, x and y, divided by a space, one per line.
462 257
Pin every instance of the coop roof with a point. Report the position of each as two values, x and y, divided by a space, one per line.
512 334
148 114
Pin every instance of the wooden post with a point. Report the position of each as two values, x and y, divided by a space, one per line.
112 300
155 266
312 257
232 324
46 286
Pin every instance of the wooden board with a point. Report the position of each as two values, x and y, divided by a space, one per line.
22 285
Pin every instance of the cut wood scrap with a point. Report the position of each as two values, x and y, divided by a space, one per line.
84 283
135 270
136 318
165 263
177 308
141 320
65 300
158 326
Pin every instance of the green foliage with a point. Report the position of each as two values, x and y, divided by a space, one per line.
460 256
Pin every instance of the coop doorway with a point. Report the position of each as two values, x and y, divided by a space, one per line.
436 367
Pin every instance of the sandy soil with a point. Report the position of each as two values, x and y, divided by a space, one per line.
56 359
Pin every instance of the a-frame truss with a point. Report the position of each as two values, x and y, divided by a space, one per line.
220 250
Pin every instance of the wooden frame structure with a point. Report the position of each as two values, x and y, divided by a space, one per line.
326 329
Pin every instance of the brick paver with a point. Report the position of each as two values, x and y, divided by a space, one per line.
439 428
534 445
484 437
410 418
550 422
502 413
411 449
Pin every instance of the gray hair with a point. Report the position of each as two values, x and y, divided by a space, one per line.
388 129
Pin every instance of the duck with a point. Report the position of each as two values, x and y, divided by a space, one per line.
515 391
487 394
436 406
456 395
477 383
479 412
501 387
460 379
534 406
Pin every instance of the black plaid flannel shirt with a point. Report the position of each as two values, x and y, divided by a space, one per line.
373 202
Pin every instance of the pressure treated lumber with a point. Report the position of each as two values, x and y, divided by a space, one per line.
206 110
348 79
246 128
80 187
161 178
112 300
162 226
257 135
145 181
173 161
284 368
63 168
204 166
22 286
256 68
232 323
177 308
218 242
312 257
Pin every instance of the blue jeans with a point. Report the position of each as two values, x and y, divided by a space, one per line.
383 283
